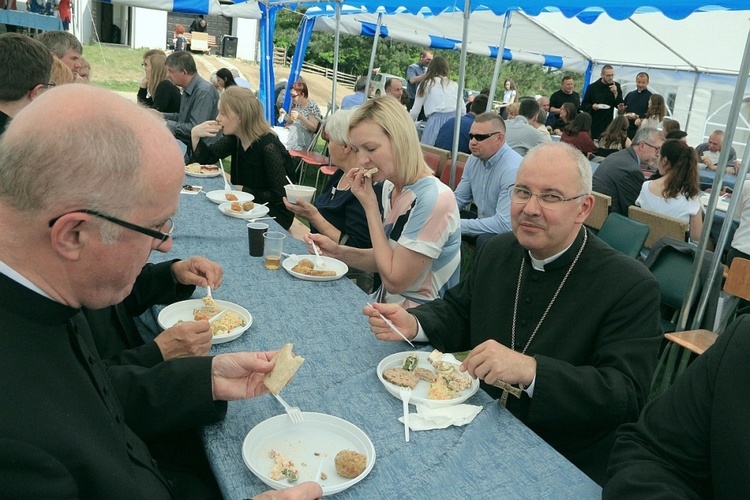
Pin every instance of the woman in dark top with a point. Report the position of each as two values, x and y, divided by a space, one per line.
578 134
615 137
260 163
567 113
337 213
157 91
224 78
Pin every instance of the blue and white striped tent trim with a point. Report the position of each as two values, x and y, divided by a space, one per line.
240 8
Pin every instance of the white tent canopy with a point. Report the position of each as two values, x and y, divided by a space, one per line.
709 42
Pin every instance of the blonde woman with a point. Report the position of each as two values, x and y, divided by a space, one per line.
416 243
260 163
438 95
60 74
156 90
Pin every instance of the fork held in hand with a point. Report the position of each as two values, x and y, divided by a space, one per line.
295 414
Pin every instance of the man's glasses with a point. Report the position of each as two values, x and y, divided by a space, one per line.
45 86
482 137
161 236
294 95
551 201
656 148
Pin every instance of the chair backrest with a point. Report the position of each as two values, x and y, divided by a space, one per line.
463 157
599 213
738 279
661 225
199 41
433 161
442 154
623 234
673 269
445 175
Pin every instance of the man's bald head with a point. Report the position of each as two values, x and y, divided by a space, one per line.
79 146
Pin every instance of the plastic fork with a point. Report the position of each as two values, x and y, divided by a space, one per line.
318 261
390 324
295 414
227 187
208 292
405 394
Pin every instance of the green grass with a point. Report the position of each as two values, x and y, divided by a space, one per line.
114 67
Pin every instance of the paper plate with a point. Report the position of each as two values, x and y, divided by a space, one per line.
330 264
189 189
219 196
258 211
318 433
419 393
183 311
604 106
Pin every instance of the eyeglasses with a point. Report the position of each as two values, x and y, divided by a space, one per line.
45 86
294 95
161 236
550 201
143 64
482 137
656 148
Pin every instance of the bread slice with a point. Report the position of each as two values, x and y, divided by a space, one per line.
285 368
369 173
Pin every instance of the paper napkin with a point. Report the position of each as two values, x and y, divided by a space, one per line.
439 418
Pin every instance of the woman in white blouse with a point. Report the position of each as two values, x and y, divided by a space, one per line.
438 94
676 192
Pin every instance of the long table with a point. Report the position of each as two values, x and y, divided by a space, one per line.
495 456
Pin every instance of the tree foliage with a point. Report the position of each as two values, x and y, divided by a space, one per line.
394 57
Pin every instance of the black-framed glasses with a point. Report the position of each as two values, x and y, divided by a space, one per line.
159 235
45 86
143 64
550 201
657 149
482 137
293 95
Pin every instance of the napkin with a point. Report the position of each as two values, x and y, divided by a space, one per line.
196 190
439 418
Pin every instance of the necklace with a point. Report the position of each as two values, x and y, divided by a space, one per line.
507 388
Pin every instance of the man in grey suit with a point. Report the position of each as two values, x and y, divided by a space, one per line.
620 175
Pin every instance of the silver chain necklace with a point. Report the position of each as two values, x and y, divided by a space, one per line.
549 306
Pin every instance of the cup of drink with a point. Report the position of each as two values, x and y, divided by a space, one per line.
273 244
255 232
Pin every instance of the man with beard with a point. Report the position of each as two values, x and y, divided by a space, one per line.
600 99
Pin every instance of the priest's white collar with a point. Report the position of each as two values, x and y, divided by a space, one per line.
538 264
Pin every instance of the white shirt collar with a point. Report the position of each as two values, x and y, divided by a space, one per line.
15 276
538 264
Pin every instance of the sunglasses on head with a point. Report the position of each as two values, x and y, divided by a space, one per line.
482 137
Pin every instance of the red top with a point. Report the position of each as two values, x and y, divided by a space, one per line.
582 141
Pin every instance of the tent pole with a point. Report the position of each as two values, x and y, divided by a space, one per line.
692 99
460 96
336 55
499 59
372 54
734 111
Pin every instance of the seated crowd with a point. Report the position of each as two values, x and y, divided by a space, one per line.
538 273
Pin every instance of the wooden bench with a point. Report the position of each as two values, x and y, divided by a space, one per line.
202 42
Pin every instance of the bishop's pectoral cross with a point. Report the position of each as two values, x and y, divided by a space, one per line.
507 388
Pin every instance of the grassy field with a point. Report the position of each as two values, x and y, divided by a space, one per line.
115 68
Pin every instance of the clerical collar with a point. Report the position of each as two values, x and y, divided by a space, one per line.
538 264
15 276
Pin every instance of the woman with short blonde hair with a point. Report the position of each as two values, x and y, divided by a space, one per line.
416 243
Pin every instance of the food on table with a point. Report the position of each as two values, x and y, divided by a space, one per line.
350 464
410 362
401 377
248 205
307 267
282 468
236 206
368 174
188 187
286 366
426 375
224 324
197 168
447 383
231 197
